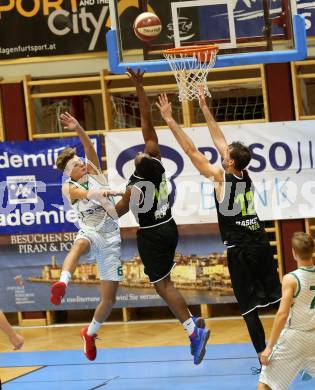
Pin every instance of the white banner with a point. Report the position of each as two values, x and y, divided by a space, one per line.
282 169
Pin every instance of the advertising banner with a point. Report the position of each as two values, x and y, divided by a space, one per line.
30 263
282 169
46 28
49 28
37 229
30 186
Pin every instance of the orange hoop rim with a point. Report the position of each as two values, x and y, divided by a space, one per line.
192 49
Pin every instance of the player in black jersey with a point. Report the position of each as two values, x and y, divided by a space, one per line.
147 196
252 268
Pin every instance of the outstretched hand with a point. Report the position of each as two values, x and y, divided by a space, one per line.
136 78
164 106
69 122
98 194
202 98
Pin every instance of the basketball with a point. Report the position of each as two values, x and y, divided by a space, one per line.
147 26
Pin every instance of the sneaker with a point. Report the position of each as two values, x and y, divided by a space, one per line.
89 344
57 290
199 341
200 323
305 376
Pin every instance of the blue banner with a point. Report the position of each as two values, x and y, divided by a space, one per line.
30 187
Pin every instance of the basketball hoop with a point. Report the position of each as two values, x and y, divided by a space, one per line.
191 65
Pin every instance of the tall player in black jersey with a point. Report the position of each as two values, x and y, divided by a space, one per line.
148 198
252 268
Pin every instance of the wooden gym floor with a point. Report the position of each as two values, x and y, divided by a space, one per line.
130 336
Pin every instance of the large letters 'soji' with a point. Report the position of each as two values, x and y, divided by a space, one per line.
280 156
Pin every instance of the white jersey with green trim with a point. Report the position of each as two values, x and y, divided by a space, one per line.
91 215
302 313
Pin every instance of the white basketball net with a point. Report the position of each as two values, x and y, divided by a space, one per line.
191 66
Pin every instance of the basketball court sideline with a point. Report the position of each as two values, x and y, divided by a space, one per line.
156 359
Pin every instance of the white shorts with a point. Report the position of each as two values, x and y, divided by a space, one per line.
105 247
294 351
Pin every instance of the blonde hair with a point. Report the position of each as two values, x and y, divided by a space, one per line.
63 158
303 245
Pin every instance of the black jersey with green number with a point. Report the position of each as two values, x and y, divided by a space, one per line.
237 217
154 206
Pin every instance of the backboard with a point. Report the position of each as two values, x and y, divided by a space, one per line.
247 31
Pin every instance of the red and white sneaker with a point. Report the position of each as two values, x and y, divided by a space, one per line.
89 344
57 290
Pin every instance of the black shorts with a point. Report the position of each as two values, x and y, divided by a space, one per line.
254 276
156 248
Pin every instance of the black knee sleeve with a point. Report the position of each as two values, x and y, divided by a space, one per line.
256 330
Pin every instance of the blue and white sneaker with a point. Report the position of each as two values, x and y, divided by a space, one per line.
199 341
305 376
199 323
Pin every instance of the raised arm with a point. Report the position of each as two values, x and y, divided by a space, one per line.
197 158
215 131
69 122
149 134
288 288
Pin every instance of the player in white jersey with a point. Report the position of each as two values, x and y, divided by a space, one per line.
291 344
99 233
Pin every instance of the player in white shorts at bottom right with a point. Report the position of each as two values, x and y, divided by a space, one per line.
291 346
